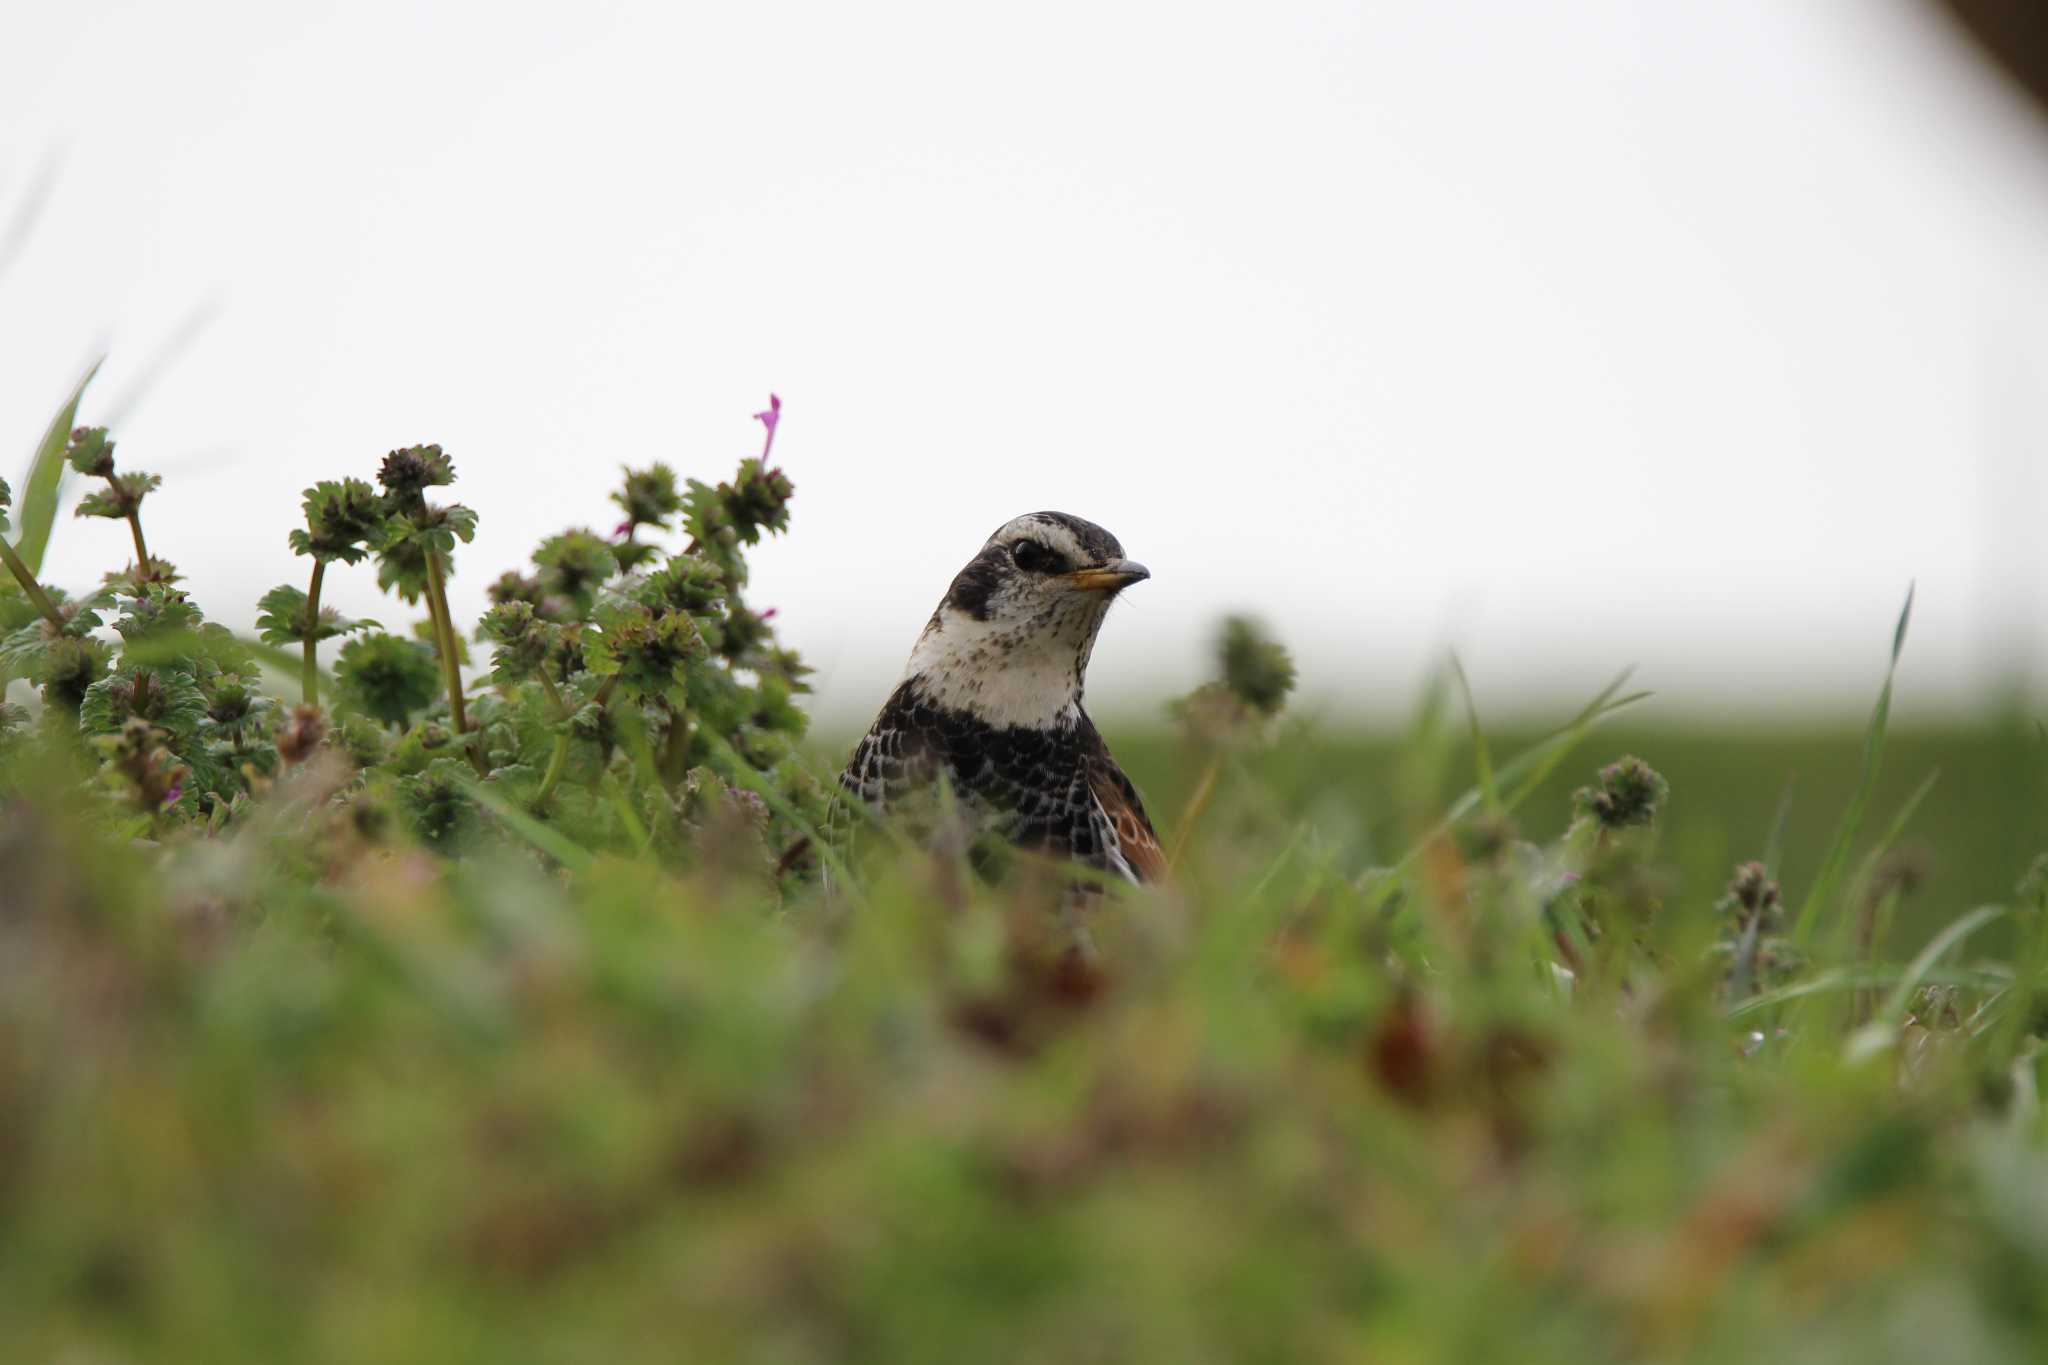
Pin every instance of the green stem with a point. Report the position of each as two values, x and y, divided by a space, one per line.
444 639
311 675
27 579
600 699
674 751
559 759
141 550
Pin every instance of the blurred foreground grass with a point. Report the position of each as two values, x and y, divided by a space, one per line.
313 1093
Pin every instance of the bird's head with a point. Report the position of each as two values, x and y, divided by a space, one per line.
1010 642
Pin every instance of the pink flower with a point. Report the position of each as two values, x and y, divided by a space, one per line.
769 419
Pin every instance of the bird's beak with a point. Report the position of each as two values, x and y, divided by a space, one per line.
1119 573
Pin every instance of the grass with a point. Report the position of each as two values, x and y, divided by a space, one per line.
314 1093
1984 820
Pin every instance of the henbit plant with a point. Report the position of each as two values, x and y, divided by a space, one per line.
343 518
635 673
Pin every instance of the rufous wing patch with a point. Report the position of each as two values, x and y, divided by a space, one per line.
1135 839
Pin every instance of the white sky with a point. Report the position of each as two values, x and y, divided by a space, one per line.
1574 335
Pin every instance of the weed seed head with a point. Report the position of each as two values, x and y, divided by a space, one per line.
1628 795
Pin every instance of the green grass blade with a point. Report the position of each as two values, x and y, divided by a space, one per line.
1781 819
1838 979
1489 793
36 510
1530 767
1881 1031
1837 862
1535 767
539 833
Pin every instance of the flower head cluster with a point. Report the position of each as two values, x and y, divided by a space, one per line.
343 519
1752 898
386 677
407 474
1628 795
91 453
522 640
1257 670
574 565
649 653
724 517
650 498
60 657
285 619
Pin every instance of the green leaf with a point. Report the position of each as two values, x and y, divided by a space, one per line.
124 493
44 485
165 697
387 677
1837 862
1489 793
172 646
283 619
342 517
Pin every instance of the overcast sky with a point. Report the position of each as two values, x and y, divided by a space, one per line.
1571 335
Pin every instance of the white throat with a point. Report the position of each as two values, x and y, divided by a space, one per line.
1025 673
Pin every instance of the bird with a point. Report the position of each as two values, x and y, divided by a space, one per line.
991 702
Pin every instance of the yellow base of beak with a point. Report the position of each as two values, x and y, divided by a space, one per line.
1121 574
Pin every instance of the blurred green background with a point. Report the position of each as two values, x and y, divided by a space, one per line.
1978 828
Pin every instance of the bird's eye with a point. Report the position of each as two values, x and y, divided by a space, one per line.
1031 556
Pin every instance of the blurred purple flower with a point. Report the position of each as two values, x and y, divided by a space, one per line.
769 419
623 528
171 797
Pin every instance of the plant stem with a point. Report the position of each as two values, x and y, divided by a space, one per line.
27 579
1197 803
141 550
311 675
559 758
673 749
557 761
601 699
444 640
